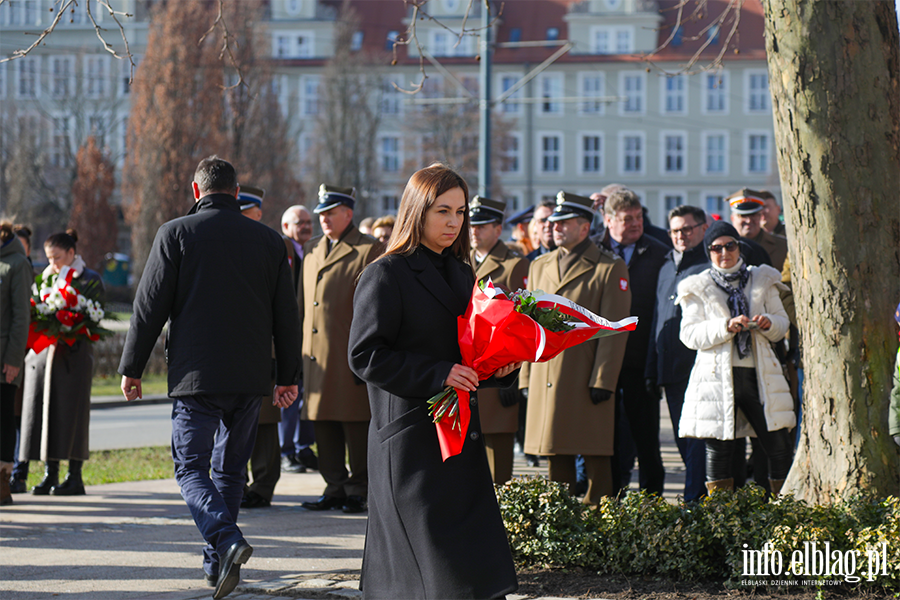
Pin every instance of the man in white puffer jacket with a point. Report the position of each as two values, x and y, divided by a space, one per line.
736 387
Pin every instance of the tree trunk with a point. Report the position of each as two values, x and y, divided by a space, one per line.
833 73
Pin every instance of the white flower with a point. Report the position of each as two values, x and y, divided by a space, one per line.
81 303
43 309
56 300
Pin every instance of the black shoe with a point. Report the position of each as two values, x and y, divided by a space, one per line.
230 568
43 488
72 486
17 486
290 464
355 504
211 580
324 503
532 460
253 500
309 460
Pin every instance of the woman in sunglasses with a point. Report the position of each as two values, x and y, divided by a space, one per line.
731 315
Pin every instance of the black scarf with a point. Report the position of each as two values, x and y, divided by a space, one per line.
737 301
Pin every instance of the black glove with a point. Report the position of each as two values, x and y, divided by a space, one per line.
598 395
509 396
653 389
524 393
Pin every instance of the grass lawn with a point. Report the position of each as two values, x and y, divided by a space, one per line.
112 466
110 386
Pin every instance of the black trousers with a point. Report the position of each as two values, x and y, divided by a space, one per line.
642 411
778 445
7 421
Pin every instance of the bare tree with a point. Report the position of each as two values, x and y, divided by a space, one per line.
92 215
348 117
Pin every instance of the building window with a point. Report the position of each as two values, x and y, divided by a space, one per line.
27 76
714 204
62 72
95 76
551 92
356 41
292 44
391 97
20 12
125 75
674 148
757 92
673 199
612 40
624 44
591 153
445 43
758 153
60 144
509 106
97 128
632 86
552 33
716 93
78 14
309 87
390 41
511 156
551 153
390 154
715 149
293 7
390 204
674 101
632 149
592 86
600 41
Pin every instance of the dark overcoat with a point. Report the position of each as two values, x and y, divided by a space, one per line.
59 431
434 527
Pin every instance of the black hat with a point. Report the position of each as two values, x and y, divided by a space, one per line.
331 196
746 202
521 216
569 206
717 230
249 196
484 210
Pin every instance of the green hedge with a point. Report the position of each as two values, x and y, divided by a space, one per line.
707 540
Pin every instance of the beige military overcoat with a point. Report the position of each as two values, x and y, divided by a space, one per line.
508 269
561 418
331 391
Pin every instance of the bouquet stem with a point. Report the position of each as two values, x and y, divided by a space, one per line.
445 404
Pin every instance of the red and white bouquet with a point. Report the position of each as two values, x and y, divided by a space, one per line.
62 310
497 330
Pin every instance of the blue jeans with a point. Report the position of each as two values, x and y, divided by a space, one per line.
218 432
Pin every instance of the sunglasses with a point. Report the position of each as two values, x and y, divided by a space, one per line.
729 247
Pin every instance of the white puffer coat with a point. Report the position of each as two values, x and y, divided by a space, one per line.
709 410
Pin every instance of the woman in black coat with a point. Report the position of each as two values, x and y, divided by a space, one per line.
60 430
434 526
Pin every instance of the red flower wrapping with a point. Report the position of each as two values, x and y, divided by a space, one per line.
492 334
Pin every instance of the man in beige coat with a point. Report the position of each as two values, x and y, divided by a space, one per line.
570 406
336 400
507 269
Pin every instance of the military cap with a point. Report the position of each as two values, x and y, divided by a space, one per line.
569 206
249 196
521 216
746 202
485 210
331 196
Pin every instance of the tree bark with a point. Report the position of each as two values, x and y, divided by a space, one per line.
833 74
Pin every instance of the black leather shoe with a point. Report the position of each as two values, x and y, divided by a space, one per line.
309 460
17 486
253 500
72 486
211 580
355 504
230 568
324 503
44 487
290 464
532 460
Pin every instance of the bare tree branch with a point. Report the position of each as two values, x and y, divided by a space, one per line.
227 39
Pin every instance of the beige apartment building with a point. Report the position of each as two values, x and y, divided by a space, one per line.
593 112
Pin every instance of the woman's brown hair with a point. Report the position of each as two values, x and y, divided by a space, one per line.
64 241
6 231
421 191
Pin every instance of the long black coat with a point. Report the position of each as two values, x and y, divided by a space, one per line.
434 527
669 360
224 283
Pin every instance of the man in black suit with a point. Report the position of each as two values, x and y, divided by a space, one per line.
624 218
669 362
223 283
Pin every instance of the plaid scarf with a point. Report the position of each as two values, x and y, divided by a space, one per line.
737 301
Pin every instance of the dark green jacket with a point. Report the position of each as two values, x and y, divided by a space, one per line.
15 306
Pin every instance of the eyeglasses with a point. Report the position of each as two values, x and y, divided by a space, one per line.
628 220
729 247
684 231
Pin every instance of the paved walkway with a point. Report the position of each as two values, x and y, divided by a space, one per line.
137 540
